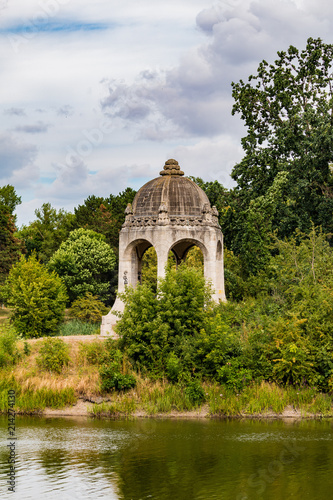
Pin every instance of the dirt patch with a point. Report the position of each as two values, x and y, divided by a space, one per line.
71 339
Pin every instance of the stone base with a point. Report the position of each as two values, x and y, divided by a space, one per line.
110 320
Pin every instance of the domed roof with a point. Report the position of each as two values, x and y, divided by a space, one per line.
170 192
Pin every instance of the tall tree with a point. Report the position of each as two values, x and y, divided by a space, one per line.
85 262
287 108
45 234
10 246
105 215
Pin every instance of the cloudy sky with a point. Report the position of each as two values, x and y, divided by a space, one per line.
97 94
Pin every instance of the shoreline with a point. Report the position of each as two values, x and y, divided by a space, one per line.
85 409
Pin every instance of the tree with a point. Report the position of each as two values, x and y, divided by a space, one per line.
47 232
88 308
85 262
37 298
105 215
10 246
287 108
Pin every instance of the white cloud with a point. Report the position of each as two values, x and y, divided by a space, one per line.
15 157
162 71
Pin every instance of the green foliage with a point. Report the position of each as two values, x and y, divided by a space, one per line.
88 308
10 246
37 298
149 268
291 352
215 345
85 262
44 235
53 355
93 353
234 376
286 107
113 377
9 353
195 393
105 215
77 327
154 326
26 349
173 367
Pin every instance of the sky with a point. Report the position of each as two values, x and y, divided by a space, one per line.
97 95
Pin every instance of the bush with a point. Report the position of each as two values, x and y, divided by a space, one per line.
112 379
173 367
112 376
152 327
93 353
37 297
195 393
53 355
234 376
9 353
26 349
88 308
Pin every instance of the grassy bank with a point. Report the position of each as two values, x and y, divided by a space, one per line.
38 389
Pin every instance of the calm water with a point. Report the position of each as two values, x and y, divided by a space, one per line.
169 459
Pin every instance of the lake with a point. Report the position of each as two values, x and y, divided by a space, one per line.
80 458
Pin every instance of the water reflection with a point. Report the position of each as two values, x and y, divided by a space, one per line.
170 459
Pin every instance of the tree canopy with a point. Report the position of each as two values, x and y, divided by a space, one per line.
10 246
37 298
287 108
85 262
45 234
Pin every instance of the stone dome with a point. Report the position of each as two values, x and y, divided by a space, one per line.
172 193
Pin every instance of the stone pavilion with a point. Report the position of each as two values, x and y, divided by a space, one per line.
173 213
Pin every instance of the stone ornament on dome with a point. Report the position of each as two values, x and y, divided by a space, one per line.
215 212
129 209
206 208
171 167
163 207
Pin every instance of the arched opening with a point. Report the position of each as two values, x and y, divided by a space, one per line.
194 258
148 274
132 262
219 251
189 251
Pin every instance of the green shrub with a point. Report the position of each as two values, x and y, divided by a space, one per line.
88 308
173 367
9 353
112 376
195 393
26 348
113 379
37 297
77 327
152 327
53 355
234 376
93 353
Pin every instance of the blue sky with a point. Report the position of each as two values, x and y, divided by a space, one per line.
95 96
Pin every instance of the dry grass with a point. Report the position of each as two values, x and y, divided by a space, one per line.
78 375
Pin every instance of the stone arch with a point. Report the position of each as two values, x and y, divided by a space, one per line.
181 247
219 251
132 260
